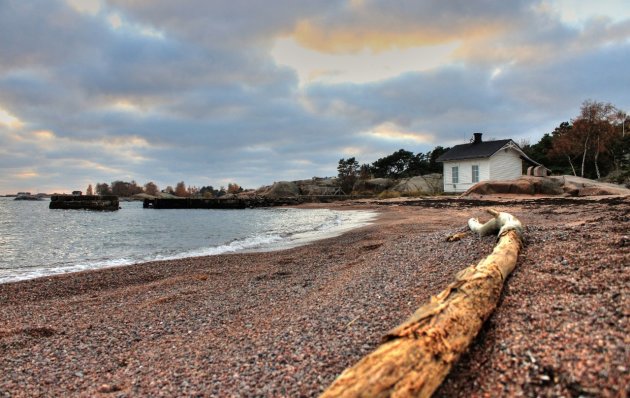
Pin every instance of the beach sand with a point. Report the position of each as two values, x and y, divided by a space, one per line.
286 323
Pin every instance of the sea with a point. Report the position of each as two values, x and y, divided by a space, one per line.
36 241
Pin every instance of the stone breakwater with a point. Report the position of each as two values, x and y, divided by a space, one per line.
240 202
84 202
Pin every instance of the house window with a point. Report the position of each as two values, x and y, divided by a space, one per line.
455 174
475 173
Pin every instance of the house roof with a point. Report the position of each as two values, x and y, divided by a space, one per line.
483 149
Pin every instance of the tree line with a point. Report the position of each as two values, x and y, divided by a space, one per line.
128 189
594 144
400 164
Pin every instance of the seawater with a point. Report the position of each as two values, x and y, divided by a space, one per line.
36 241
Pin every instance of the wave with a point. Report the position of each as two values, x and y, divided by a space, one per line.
278 238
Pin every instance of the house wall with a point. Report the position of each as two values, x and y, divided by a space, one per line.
505 165
465 174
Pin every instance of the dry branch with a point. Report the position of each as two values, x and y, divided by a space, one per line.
418 354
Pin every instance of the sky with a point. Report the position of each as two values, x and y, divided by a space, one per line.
251 92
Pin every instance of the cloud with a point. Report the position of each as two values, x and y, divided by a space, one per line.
380 26
235 91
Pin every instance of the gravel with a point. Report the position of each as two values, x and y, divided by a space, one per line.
287 323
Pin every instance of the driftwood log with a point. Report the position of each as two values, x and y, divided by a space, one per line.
416 356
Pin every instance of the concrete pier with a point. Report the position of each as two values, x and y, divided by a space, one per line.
240 202
84 202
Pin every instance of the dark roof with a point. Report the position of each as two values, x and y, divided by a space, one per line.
483 149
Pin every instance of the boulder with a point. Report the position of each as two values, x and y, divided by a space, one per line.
318 186
430 184
281 189
578 186
552 186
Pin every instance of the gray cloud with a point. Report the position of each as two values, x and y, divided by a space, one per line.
200 99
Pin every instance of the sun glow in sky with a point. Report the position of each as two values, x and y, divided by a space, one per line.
256 92
362 67
9 120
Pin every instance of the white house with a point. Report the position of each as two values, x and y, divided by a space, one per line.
467 164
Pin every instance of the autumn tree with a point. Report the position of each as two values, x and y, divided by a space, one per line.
125 189
150 188
564 145
89 190
593 129
234 188
180 190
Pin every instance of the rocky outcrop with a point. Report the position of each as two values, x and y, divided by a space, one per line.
555 185
281 189
318 186
430 184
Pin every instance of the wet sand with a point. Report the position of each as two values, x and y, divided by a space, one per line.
286 323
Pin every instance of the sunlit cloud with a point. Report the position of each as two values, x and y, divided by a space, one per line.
118 23
391 132
44 135
27 174
115 21
90 7
352 151
125 105
9 120
361 67
122 142
261 148
302 162
578 12
95 166
354 39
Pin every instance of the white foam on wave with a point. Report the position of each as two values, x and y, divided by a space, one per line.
22 274
238 245
343 221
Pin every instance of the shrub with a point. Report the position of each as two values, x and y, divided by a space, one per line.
389 195
414 194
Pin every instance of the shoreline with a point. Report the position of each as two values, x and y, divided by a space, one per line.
288 322
262 242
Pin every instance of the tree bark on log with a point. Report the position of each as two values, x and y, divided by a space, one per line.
416 356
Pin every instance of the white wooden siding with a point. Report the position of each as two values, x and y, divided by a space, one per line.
505 165
465 174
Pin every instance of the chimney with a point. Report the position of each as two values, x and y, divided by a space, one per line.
477 138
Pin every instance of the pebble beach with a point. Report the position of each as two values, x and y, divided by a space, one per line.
286 323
